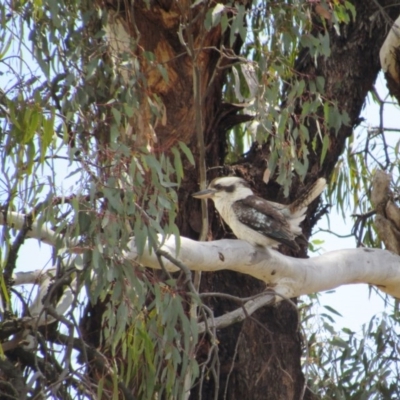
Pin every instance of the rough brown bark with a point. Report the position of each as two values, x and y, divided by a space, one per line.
387 219
260 358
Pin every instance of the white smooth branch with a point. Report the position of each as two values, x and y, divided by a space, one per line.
288 276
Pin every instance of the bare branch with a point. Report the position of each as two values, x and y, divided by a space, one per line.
239 314
289 277
38 231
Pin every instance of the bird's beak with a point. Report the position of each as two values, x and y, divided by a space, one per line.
204 194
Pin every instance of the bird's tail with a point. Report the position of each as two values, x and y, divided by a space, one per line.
308 196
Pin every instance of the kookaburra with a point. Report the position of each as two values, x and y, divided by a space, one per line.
254 219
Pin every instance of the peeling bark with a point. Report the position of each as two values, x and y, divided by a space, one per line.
387 220
390 59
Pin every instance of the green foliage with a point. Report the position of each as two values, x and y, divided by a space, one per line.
283 103
346 364
70 114
156 353
367 150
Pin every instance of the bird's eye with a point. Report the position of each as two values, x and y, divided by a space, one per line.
218 187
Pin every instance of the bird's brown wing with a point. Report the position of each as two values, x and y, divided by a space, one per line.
259 215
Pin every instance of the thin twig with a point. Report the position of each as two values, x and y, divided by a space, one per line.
235 352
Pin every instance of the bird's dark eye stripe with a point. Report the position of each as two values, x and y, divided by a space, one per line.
228 189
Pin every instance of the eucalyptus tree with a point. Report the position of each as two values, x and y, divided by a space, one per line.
145 102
